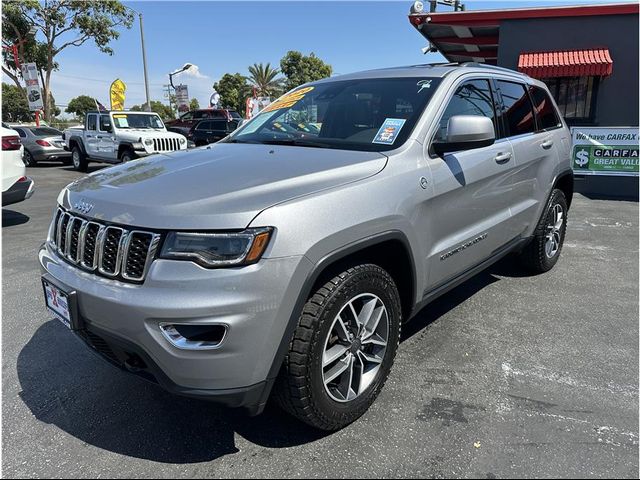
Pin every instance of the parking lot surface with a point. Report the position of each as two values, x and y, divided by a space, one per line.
506 376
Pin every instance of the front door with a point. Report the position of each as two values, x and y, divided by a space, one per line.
91 140
473 192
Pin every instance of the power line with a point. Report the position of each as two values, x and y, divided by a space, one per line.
101 80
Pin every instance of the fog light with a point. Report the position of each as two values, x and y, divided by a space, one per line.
194 336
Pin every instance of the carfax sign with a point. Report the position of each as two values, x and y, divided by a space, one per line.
605 151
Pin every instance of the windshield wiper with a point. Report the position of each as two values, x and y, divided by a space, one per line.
296 143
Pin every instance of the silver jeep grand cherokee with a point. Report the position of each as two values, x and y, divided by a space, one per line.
285 258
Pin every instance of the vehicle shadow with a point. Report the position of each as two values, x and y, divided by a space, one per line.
65 385
11 218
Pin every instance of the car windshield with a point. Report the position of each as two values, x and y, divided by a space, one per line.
136 120
364 114
45 131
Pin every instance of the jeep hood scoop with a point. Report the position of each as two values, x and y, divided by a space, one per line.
223 186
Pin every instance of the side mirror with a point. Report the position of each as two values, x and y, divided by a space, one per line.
466 132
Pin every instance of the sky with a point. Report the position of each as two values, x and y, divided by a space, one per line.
226 37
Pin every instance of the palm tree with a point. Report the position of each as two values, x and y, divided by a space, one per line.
264 79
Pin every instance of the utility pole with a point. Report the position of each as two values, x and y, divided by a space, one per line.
167 92
144 58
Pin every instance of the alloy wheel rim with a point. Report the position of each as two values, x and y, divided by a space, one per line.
76 158
553 236
355 347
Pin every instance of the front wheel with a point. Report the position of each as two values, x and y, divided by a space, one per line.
127 156
542 253
343 348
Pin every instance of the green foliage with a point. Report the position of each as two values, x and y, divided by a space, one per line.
15 107
64 23
233 90
165 111
80 105
194 104
265 80
299 69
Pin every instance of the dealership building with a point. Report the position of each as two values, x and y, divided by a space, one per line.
587 55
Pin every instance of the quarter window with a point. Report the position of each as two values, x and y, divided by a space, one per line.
545 111
517 110
471 98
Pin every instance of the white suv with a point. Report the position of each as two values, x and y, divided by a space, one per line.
16 187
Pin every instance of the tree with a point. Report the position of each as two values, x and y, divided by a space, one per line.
68 23
194 104
80 105
233 90
165 111
264 79
301 69
15 107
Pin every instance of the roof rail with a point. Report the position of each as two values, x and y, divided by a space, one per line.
492 67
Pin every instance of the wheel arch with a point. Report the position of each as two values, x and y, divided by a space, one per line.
77 141
564 182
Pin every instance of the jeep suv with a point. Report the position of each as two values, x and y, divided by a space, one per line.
283 261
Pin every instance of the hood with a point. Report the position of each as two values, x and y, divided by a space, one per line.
223 186
134 134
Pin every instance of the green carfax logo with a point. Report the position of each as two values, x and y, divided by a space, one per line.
617 158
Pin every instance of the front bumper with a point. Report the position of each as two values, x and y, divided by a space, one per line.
19 191
121 322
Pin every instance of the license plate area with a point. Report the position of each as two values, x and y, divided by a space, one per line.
61 303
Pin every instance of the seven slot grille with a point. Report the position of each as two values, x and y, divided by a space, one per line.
165 144
108 250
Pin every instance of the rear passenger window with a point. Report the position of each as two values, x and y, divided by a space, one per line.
517 110
219 125
471 98
204 126
545 111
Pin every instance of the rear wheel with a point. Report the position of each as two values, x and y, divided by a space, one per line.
343 349
544 250
79 159
28 159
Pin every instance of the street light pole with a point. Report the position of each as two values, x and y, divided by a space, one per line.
144 65
144 58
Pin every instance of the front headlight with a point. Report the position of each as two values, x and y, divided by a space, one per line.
212 250
183 140
148 141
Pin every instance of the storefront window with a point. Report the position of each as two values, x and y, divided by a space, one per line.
575 97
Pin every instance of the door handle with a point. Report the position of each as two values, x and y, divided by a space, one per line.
547 144
503 157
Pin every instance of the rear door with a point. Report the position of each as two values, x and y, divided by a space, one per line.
91 141
218 130
534 130
473 191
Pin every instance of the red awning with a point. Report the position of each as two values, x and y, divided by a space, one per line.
595 62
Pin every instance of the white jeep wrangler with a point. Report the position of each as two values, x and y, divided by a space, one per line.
119 136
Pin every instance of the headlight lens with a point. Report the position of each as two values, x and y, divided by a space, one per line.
183 140
148 141
212 250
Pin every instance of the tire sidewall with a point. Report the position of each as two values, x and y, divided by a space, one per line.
557 198
127 156
76 158
369 280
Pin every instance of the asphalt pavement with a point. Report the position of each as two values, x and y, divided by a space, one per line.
506 376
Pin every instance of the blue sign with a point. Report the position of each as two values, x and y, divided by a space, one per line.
389 131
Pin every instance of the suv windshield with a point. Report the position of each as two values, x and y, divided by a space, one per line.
364 114
136 120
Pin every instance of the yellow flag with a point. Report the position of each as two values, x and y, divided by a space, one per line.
116 93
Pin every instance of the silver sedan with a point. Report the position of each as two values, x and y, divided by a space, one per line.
41 144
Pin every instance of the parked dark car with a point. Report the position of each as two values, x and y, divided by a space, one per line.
209 131
189 120
41 144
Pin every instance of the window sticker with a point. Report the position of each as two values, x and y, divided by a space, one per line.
121 121
288 100
389 131
422 84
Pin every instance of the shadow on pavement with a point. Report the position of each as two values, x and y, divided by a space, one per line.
66 385
11 218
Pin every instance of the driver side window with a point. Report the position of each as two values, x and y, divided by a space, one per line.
471 98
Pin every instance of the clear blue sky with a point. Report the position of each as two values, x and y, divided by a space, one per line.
222 37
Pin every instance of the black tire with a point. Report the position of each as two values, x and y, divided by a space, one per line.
28 159
79 159
300 388
127 155
536 256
